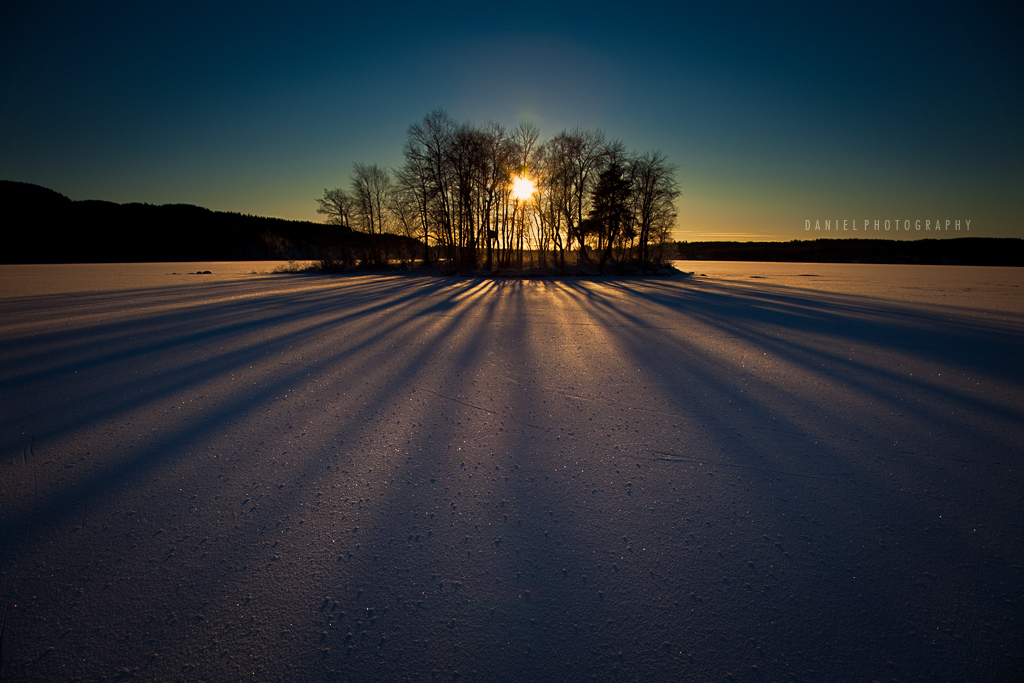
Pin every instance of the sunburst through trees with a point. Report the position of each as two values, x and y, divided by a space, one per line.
486 197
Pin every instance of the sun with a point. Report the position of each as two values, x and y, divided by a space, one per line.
522 188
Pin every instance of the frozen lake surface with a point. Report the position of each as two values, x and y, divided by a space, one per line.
761 472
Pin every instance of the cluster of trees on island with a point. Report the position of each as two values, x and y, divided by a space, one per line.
480 196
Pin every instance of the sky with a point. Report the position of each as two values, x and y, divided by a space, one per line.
779 116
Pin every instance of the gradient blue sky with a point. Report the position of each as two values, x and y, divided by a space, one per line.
775 114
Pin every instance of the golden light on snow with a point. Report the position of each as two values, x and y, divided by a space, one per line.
522 187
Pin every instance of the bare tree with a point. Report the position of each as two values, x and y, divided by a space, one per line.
337 205
413 181
371 186
409 205
549 201
403 206
466 159
454 191
427 154
524 145
495 161
654 191
576 159
526 151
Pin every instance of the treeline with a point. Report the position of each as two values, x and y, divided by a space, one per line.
481 196
43 226
974 251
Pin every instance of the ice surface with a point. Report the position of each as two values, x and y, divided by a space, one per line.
768 471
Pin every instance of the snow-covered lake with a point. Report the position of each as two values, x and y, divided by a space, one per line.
760 472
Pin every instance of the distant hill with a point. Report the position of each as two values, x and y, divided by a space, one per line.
43 226
40 225
967 251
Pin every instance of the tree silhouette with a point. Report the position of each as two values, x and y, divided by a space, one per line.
454 193
575 160
337 205
655 192
371 186
610 210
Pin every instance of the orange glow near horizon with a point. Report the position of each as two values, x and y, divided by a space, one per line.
522 188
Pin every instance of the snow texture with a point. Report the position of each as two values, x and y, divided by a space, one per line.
760 472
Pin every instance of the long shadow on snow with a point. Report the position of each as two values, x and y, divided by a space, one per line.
47 511
892 579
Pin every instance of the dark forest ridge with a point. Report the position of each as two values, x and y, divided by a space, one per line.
44 226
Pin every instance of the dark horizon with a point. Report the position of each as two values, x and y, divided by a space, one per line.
55 229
